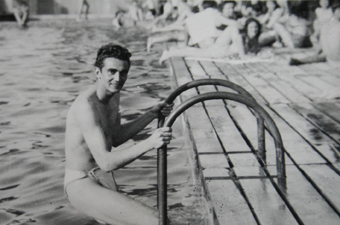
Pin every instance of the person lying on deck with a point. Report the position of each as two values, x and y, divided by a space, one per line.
93 131
329 41
230 42
201 28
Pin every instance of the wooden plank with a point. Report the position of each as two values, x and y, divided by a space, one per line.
203 133
328 69
282 86
212 70
319 119
230 207
327 180
247 123
315 81
288 74
215 173
226 130
196 69
263 87
321 143
244 160
235 77
295 145
330 109
213 161
182 75
306 201
268 205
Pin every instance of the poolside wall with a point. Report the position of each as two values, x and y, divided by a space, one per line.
41 7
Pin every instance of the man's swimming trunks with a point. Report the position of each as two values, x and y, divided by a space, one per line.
103 178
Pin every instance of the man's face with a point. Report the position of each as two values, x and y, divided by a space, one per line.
113 75
228 10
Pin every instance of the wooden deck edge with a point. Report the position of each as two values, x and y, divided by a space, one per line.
199 173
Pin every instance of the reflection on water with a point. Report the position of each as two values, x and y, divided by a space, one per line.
43 68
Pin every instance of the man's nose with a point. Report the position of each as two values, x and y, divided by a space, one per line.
116 76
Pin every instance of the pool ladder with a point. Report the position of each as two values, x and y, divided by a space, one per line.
264 121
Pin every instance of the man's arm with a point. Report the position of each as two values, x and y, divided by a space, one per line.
89 123
128 130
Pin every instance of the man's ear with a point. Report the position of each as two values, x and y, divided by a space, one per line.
97 72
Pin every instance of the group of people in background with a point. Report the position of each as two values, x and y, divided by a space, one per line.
219 29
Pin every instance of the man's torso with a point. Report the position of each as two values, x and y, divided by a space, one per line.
78 155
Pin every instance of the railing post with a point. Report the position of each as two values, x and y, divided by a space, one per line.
162 185
261 138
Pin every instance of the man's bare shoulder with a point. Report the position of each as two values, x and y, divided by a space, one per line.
83 104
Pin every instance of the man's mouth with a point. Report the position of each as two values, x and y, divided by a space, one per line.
116 85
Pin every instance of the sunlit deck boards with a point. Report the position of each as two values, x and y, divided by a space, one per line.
224 135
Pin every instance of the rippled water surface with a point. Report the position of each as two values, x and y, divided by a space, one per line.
43 68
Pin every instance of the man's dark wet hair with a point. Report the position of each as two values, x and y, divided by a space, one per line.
111 51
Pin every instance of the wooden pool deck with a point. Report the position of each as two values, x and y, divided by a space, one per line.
224 136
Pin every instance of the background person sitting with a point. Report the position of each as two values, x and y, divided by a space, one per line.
201 27
295 29
323 14
230 42
329 41
274 13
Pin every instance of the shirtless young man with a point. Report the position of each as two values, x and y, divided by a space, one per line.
93 130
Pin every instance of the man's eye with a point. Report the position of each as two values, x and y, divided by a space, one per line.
112 71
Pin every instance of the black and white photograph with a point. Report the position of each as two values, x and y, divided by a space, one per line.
169 112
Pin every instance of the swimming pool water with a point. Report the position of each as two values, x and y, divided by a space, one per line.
43 68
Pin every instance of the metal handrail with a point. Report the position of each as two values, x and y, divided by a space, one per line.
162 159
162 162
228 84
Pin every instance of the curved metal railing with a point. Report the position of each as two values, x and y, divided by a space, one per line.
245 98
228 84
